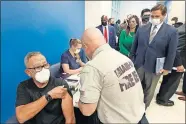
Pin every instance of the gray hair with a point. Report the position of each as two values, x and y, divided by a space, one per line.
29 55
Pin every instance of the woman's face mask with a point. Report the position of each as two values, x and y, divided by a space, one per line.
77 51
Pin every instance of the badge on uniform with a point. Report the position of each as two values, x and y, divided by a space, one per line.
82 93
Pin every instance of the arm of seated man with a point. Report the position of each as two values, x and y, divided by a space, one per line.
68 109
26 109
67 103
91 85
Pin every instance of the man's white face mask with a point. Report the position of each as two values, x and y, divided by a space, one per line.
155 21
42 76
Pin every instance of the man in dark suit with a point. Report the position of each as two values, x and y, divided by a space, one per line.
182 38
154 40
171 81
145 16
175 22
108 31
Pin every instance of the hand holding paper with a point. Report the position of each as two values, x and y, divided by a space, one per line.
159 66
180 69
164 72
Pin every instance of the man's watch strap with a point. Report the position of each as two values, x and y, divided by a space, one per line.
48 97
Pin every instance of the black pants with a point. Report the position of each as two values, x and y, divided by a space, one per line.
184 83
169 86
183 57
144 120
81 119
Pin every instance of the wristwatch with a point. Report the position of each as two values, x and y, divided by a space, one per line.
48 97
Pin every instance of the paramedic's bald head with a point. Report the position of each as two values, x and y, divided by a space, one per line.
93 36
92 39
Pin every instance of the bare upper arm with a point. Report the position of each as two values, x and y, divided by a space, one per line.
87 109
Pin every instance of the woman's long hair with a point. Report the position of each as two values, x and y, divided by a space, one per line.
137 21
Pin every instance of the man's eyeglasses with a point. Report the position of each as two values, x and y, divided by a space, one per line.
39 68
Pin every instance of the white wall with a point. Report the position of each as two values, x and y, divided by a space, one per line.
134 7
177 9
94 10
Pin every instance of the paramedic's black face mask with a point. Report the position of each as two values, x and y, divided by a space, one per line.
104 23
145 18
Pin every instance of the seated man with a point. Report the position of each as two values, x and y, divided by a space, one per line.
71 60
42 98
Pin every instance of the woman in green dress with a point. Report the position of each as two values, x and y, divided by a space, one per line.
127 36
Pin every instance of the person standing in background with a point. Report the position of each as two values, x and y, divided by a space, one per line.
108 32
111 22
182 38
175 22
171 81
145 16
123 26
127 36
154 40
117 27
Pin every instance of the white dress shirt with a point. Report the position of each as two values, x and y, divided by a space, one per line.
157 29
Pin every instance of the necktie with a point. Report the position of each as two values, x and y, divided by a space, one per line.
152 34
105 34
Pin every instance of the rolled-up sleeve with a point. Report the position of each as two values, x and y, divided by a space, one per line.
91 85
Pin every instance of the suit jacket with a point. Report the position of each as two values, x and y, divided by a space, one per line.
181 49
178 60
164 44
182 39
112 35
